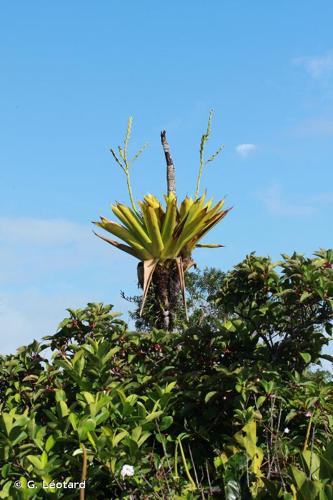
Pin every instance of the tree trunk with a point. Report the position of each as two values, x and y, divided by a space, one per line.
166 277
171 177
174 293
165 291
166 286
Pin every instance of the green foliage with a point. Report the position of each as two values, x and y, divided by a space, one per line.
86 396
209 411
315 479
287 306
199 286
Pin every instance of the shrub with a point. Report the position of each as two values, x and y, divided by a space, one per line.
228 408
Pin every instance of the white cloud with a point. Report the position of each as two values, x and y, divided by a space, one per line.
317 66
245 150
48 265
35 250
31 231
31 314
276 204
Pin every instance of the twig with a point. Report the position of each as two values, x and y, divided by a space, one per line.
271 437
208 478
247 471
276 450
312 443
166 456
194 468
155 492
307 433
188 474
203 162
125 163
84 471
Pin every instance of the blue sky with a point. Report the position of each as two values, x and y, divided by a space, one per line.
72 72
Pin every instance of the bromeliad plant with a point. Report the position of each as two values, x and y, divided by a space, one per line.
161 237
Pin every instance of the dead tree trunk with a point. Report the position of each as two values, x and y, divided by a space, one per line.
161 288
171 177
165 279
167 294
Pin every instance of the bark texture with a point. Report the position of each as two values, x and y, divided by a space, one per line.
171 177
167 287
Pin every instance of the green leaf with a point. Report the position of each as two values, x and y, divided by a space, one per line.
103 415
290 415
136 433
170 387
228 325
60 395
89 348
21 420
298 476
166 422
304 296
306 356
209 395
328 357
87 426
326 462
73 420
8 422
153 415
117 438
50 442
63 408
76 452
311 489
143 438
91 439
247 438
79 365
110 354
88 397
260 401
5 491
232 490
313 460
36 462
22 435
44 459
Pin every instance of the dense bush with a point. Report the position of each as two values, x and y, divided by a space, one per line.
227 407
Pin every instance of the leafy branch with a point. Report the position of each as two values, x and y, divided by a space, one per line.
203 162
123 161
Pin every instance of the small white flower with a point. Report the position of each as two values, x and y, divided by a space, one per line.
286 431
127 470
